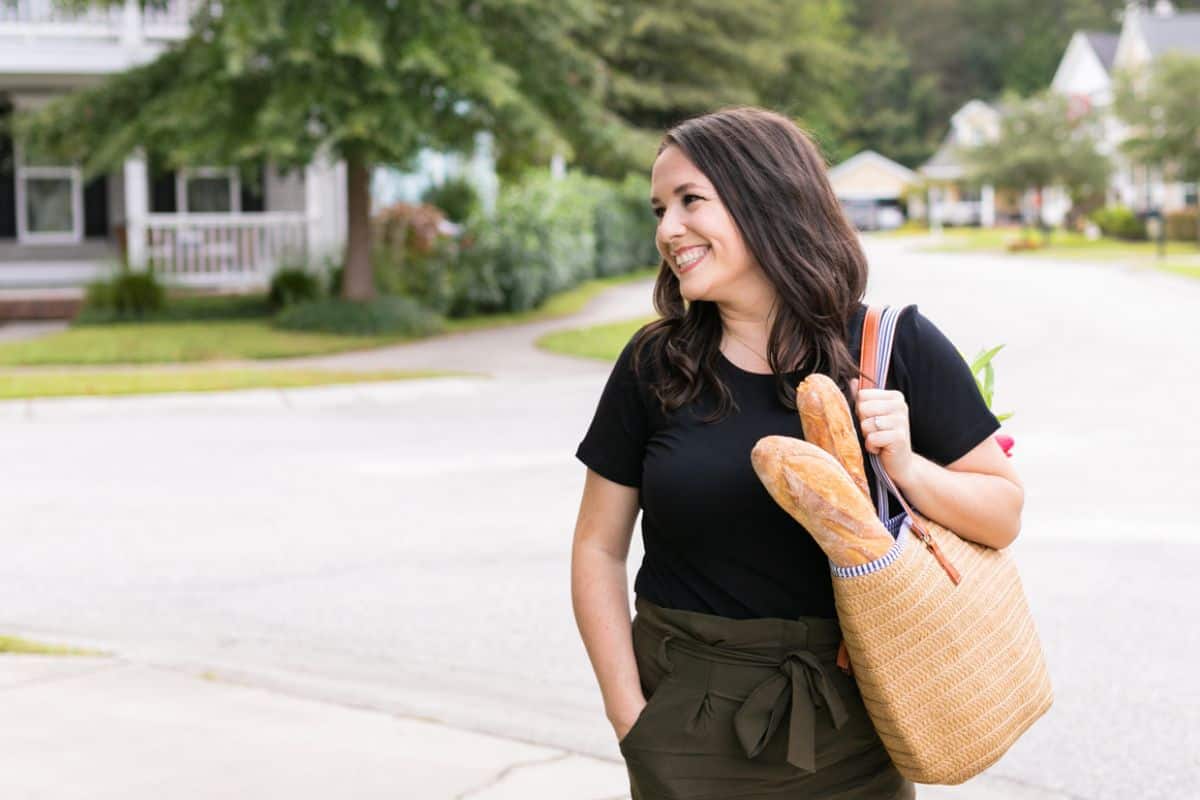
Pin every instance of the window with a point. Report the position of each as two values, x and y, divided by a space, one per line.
49 202
208 190
1191 194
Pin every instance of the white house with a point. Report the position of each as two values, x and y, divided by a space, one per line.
1085 76
201 226
953 199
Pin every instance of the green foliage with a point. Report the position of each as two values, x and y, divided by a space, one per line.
1161 110
186 309
127 295
1182 225
456 197
985 376
625 227
384 315
540 241
1040 144
1119 222
413 255
292 285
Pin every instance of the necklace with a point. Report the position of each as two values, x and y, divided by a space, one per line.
748 347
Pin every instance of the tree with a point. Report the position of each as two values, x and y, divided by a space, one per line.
1161 109
369 83
1041 144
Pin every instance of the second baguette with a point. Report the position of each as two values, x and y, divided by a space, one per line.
811 486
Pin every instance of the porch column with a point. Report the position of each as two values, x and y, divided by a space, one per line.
935 209
137 206
325 207
131 24
987 206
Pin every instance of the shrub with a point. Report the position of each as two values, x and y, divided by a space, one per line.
1181 225
127 295
384 315
188 308
413 254
625 227
456 197
1120 222
541 241
292 285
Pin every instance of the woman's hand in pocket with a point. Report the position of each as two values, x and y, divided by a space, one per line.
624 720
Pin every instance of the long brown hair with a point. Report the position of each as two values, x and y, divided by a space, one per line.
771 177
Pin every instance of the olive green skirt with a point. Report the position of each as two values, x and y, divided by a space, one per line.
747 709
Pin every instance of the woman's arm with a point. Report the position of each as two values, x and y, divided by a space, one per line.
600 595
979 496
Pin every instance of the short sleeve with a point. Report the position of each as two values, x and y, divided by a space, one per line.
615 442
947 414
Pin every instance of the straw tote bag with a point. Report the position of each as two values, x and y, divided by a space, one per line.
939 634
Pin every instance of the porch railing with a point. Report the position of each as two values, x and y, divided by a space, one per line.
225 248
49 12
167 20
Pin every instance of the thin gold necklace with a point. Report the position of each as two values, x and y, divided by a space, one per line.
748 347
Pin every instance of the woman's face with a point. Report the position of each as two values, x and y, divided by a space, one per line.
696 235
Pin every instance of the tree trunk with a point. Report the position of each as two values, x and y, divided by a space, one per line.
358 281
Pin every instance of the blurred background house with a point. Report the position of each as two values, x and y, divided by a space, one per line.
1085 75
204 226
873 190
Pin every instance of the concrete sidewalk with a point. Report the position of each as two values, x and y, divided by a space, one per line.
92 728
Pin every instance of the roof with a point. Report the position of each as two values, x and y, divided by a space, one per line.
870 156
1177 33
1105 46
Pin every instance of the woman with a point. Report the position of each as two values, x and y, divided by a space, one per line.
725 683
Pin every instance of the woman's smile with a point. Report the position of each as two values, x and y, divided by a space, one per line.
690 258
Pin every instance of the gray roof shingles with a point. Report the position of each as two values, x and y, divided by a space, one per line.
1177 33
1105 45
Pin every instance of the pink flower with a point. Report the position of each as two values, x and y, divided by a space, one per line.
1006 443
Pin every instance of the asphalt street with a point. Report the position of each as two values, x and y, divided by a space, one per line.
405 547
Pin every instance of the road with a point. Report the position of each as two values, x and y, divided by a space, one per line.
406 546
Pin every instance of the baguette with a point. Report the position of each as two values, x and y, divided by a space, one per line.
811 486
827 423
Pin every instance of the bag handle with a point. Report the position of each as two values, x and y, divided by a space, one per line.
875 357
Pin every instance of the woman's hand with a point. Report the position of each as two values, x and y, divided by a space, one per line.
883 418
624 721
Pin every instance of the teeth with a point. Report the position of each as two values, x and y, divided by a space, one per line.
691 256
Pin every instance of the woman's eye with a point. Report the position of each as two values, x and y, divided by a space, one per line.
689 197
658 212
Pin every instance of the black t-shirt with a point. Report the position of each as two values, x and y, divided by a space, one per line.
715 541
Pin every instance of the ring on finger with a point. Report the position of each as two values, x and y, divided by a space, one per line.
878 427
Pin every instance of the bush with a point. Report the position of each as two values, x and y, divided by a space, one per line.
188 308
413 254
1119 222
1181 225
384 315
625 228
541 241
128 295
292 285
456 197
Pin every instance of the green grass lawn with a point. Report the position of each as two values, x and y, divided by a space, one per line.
14 645
83 383
603 342
174 342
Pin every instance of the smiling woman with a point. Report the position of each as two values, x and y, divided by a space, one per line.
727 682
